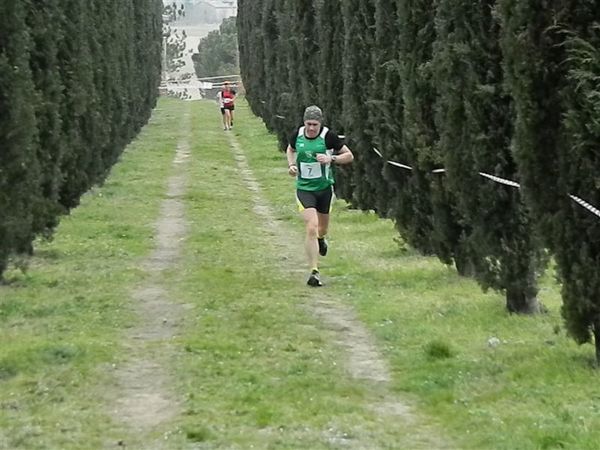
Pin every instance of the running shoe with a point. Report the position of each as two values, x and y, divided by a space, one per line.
322 246
314 279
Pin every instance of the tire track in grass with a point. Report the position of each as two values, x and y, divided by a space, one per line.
143 400
363 361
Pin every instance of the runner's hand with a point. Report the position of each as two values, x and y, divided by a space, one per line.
293 170
324 158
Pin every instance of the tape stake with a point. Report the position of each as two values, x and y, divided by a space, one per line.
586 205
500 180
378 153
402 166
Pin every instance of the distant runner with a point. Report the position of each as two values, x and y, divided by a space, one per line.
312 151
228 100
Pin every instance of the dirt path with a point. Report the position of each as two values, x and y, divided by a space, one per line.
143 400
362 358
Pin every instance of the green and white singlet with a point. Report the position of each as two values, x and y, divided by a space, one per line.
312 175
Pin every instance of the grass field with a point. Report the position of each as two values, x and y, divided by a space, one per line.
251 365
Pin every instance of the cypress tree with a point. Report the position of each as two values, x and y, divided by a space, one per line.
97 127
578 252
424 209
294 82
145 56
126 122
384 105
148 58
276 91
303 56
550 54
109 23
43 21
20 174
532 61
291 66
358 19
474 118
77 68
330 87
251 46
412 209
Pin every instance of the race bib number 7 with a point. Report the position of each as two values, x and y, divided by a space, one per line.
310 170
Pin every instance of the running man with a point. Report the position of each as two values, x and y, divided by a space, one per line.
312 152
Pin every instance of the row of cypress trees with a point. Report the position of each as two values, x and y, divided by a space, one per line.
78 79
507 88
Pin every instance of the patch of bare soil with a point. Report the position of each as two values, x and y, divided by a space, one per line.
362 359
142 399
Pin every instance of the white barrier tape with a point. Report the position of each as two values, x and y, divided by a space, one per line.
218 77
399 165
580 201
500 180
586 205
280 117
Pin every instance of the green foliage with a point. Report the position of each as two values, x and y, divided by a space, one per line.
251 51
552 71
358 20
579 253
411 206
384 104
474 116
218 53
49 90
438 350
199 434
330 87
534 72
77 82
20 172
276 92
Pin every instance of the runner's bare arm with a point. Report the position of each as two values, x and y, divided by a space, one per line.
291 159
343 156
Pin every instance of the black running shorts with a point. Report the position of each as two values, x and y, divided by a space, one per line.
320 200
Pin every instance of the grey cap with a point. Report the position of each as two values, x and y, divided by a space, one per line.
313 112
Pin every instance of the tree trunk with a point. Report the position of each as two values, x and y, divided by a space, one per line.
464 264
521 301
